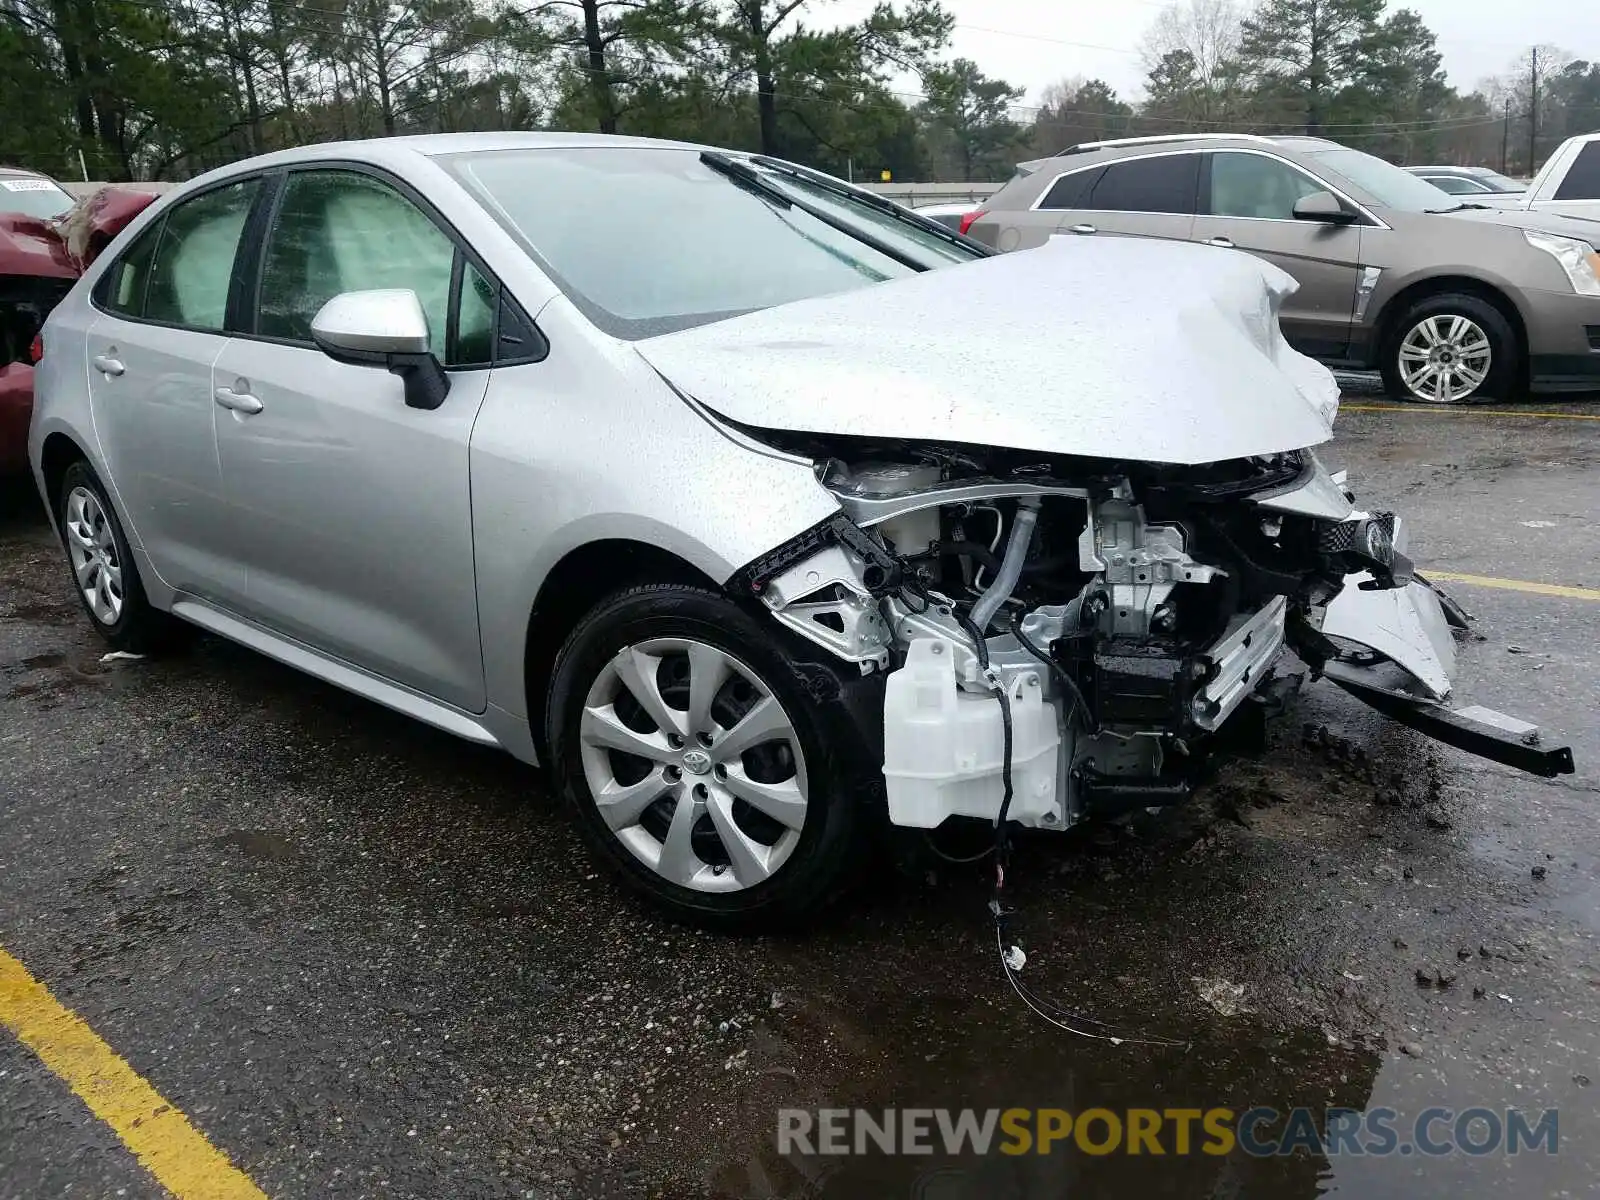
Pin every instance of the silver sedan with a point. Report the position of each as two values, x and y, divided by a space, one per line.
762 511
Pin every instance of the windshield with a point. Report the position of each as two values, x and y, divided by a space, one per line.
645 241
33 197
1387 184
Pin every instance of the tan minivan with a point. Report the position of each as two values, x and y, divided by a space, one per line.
1450 300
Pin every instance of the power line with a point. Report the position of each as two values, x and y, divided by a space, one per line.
1035 37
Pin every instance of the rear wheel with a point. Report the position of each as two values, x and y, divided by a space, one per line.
718 778
1450 349
103 570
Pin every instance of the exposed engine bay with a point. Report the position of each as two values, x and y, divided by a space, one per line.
1065 638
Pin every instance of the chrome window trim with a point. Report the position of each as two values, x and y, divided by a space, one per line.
1366 212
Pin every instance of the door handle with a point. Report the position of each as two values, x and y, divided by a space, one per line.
1225 243
1082 229
107 365
242 402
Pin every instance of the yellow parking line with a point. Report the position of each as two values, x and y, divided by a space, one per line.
160 1136
1516 585
1468 411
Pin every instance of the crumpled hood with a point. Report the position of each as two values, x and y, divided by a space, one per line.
1103 347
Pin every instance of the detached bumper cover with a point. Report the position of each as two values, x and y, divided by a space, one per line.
1409 681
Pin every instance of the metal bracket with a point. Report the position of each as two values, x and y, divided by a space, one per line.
1476 730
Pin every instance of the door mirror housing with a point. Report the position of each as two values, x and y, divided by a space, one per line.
1324 207
385 328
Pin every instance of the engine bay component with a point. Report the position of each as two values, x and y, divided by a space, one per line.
943 747
825 598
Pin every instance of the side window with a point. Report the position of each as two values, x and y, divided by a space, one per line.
1252 185
1164 184
1582 181
1071 191
193 264
121 288
1454 184
341 231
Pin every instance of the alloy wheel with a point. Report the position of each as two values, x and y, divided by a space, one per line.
1445 358
693 764
92 547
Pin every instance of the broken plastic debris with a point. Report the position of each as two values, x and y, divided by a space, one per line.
121 656
1227 998
1015 958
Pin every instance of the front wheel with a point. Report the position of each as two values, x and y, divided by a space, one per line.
719 773
1450 349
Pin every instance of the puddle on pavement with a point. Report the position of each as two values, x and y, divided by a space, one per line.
1012 1061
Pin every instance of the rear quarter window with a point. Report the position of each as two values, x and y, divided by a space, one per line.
1072 191
1582 181
121 289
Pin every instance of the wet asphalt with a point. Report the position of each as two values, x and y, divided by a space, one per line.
367 959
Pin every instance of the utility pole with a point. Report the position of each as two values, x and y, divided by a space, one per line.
1533 113
1505 138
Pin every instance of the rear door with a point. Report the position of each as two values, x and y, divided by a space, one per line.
1247 203
164 308
1151 196
354 510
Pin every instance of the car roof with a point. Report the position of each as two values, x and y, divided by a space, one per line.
1090 153
432 145
22 173
391 151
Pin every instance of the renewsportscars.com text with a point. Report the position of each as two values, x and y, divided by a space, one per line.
1259 1132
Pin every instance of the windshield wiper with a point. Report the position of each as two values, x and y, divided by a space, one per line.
746 176
1437 212
870 200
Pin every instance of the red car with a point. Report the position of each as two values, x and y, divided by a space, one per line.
46 240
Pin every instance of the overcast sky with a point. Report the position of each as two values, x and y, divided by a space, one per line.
1034 43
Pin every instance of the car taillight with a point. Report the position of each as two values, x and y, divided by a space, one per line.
36 348
968 218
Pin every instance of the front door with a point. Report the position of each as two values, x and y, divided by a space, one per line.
353 509
162 307
1248 203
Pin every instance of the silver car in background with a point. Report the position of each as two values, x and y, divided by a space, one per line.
763 512
1478 184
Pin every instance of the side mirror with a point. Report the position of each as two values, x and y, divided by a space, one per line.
1324 207
385 329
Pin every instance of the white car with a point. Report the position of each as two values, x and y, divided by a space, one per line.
759 509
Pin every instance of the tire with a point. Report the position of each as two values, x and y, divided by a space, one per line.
676 829
102 568
1451 349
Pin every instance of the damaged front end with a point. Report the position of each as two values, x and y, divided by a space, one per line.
1128 617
